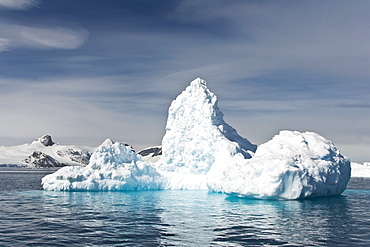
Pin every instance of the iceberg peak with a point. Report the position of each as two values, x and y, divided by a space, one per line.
198 82
106 142
196 133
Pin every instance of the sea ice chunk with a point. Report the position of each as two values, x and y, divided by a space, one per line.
292 165
112 167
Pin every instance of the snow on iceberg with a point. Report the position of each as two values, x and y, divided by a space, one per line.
114 166
201 151
196 138
196 133
292 165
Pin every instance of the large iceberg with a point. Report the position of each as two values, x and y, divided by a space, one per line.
201 151
197 138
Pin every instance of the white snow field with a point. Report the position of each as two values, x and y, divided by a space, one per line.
43 152
360 170
202 152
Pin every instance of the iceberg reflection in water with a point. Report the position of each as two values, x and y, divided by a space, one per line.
181 218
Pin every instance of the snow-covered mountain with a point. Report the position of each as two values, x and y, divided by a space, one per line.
201 151
360 170
43 152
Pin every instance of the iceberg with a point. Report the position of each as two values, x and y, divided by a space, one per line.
196 138
200 151
113 166
196 133
292 165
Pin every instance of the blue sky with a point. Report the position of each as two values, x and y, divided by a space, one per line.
84 71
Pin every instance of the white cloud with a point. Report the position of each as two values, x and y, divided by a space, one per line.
16 36
4 44
58 38
18 4
39 36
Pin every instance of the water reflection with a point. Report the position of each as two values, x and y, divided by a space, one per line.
108 217
180 218
304 223
217 219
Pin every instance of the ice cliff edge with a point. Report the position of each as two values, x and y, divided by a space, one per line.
201 151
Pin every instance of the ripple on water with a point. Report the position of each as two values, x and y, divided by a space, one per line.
181 218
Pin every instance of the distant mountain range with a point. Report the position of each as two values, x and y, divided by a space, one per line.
360 170
44 152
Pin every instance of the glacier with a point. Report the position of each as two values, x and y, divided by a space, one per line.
200 151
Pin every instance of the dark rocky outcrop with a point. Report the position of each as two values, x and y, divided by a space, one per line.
46 140
153 151
39 159
79 156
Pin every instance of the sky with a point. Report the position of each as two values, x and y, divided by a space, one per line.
84 71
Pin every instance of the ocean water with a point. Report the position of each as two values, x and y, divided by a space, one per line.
33 217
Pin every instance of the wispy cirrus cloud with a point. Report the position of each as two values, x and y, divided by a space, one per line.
18 4
22 36
356 106
4 43
51 37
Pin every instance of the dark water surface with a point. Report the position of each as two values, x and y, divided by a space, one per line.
32 217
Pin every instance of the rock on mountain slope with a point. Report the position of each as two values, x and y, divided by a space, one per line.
43 152
151 154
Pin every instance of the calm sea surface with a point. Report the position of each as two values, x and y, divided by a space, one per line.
33 217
